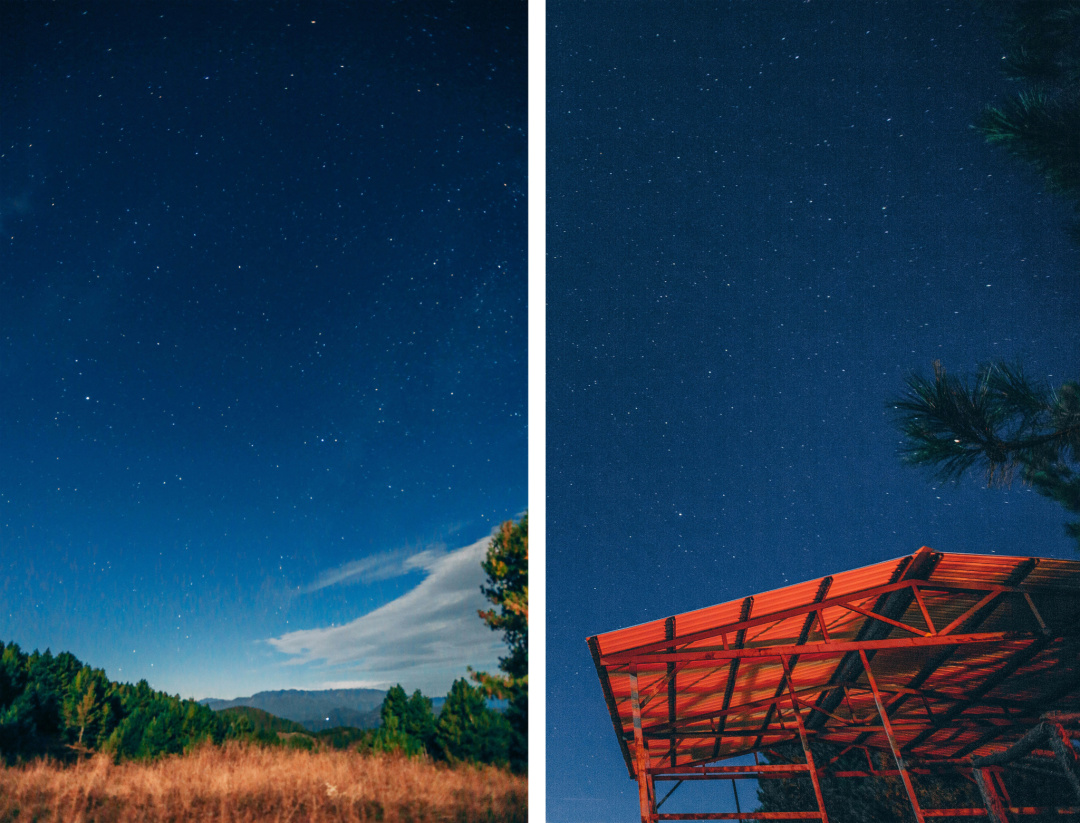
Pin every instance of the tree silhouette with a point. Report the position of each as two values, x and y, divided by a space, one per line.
1000 422
1040 122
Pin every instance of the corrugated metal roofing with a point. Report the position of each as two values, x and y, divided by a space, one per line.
966 650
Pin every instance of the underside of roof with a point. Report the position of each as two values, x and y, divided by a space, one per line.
965 652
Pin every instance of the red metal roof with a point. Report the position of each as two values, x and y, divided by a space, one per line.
966 650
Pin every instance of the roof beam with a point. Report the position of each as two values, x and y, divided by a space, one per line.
834 648
893 604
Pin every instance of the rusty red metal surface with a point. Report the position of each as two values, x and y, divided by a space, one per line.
966 652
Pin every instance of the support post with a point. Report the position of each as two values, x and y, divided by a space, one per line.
646 795
995 810
884 715
805 742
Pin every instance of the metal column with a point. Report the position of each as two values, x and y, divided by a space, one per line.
892 740
805 742
646 792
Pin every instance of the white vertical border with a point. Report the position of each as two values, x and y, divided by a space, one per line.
537 416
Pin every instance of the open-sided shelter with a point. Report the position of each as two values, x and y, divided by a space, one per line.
946 661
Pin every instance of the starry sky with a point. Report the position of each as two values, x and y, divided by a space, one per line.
761 218
262 336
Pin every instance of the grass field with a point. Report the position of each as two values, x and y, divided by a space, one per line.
245 784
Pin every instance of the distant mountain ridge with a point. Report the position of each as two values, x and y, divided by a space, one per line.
262 721
314 710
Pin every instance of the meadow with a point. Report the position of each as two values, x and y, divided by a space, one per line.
241 783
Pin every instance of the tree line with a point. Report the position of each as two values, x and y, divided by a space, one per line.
466 728
58 706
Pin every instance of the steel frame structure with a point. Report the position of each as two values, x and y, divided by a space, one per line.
940 660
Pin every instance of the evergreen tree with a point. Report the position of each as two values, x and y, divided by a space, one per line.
419 722
241 727
163 733
12 674
467 730
391 737
397 732
39 704
85 706
55 705
1040 122
507 568
201 725
1001 422
394 704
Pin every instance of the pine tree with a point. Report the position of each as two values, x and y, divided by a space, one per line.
467 730
85 707
12 673
397 731
56 705
419 722
163 734
507 568
1001 422
1040 122
394 704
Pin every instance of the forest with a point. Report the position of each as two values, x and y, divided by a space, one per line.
58 706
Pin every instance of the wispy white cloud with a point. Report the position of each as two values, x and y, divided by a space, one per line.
383 566
423 639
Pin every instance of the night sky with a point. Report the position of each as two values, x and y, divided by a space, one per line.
262 336
761 218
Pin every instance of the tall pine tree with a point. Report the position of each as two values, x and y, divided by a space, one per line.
507 568
1040 121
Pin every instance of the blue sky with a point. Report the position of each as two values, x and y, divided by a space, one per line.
762 217
262 336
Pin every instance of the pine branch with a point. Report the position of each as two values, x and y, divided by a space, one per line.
1042 129
1001 420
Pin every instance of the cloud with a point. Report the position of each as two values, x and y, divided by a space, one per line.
379 567
423 639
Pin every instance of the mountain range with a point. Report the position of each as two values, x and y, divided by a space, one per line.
314 710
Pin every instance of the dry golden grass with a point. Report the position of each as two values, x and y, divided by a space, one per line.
244 784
